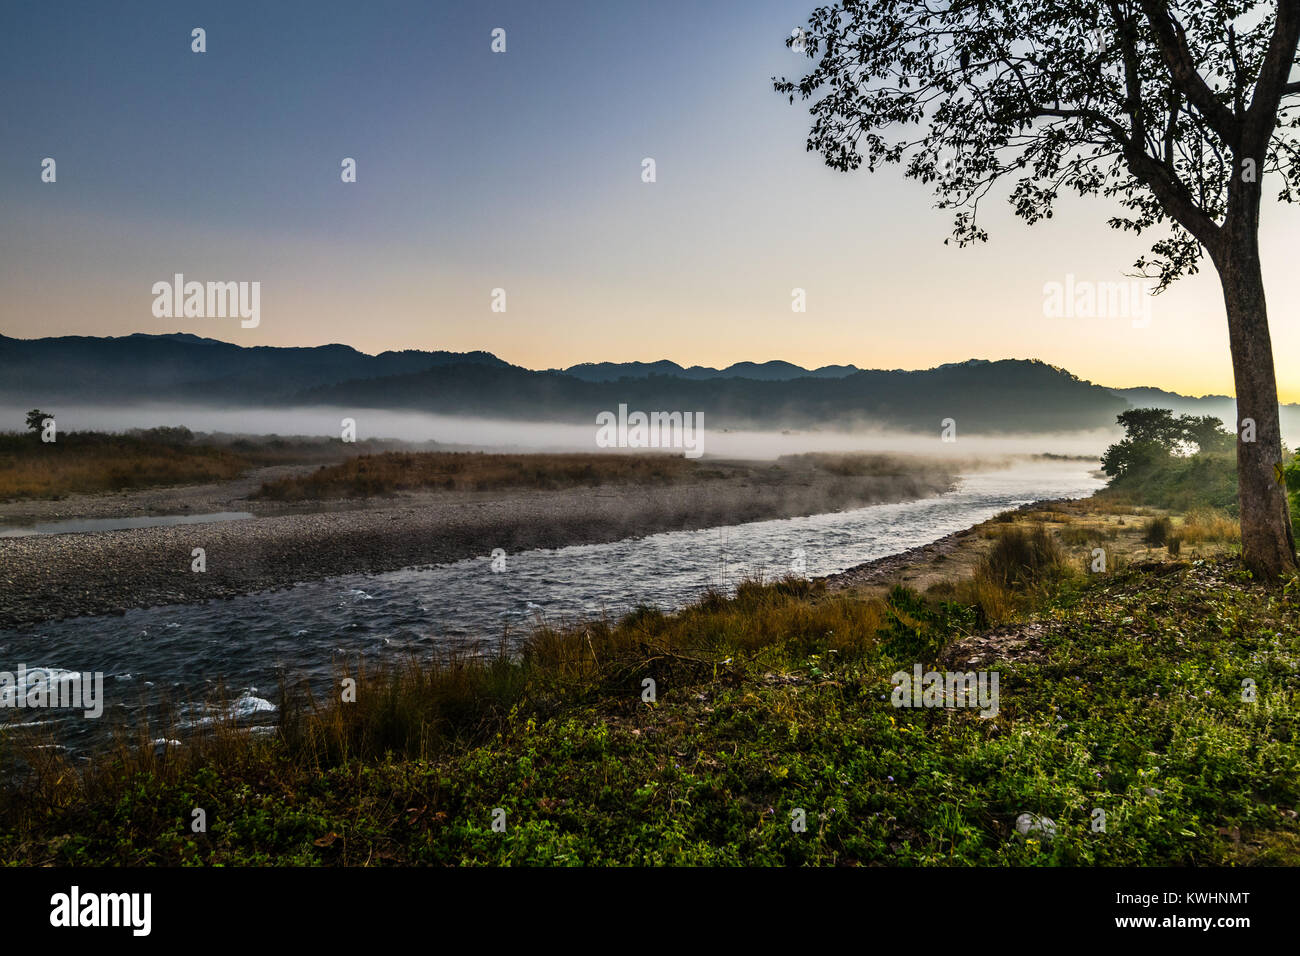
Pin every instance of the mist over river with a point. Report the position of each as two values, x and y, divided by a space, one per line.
181 652
459 431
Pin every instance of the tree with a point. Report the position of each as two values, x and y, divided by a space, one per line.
36 419
1127 457
1156 425
1152 436
1206 433
1174 110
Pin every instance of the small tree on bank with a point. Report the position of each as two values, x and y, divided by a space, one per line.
1173 110
36 420
1153 435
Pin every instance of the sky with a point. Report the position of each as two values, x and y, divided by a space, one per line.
522 171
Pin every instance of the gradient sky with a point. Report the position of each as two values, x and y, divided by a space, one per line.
523 171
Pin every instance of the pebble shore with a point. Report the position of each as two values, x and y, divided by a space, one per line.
51 577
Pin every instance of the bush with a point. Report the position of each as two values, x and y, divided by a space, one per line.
1291 474
1179 484
915 629
1157 532
1021 557
165 434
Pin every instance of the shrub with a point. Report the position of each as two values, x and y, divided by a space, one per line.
915 629
1021 557
1157 531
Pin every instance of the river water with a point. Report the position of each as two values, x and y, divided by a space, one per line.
182 652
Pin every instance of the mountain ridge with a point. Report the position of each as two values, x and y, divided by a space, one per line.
982 395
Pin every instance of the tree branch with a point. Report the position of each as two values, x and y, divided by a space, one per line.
1172 41
1272 85
1162 180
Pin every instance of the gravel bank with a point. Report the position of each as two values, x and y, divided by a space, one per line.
890 569
50 577
887 570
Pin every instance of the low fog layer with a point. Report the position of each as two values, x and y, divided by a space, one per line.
531 436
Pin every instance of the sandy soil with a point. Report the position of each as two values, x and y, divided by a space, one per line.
951 557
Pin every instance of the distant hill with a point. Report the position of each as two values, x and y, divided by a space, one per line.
1221 406
183 367
988 397
759 371
984 397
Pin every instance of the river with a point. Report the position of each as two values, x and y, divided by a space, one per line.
182 652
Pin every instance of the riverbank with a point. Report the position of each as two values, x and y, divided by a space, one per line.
51 577
771 735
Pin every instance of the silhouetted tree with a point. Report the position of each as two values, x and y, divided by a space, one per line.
1174 110
36 419
1152 425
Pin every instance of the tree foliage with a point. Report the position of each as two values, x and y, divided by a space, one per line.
1174 110
1153 435
36 419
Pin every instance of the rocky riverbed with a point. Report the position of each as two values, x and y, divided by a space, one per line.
50 577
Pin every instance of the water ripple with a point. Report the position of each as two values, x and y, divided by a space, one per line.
250 640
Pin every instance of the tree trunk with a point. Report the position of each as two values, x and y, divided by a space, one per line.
1267 544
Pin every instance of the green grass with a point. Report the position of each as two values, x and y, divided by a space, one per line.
773 701
1180 484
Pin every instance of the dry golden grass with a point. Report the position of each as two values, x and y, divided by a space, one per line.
474 471
91 462
77 462
1024 558
996 602
1091 533
56 779
1118 531
1203 525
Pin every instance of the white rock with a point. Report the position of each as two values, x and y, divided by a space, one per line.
1028 823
